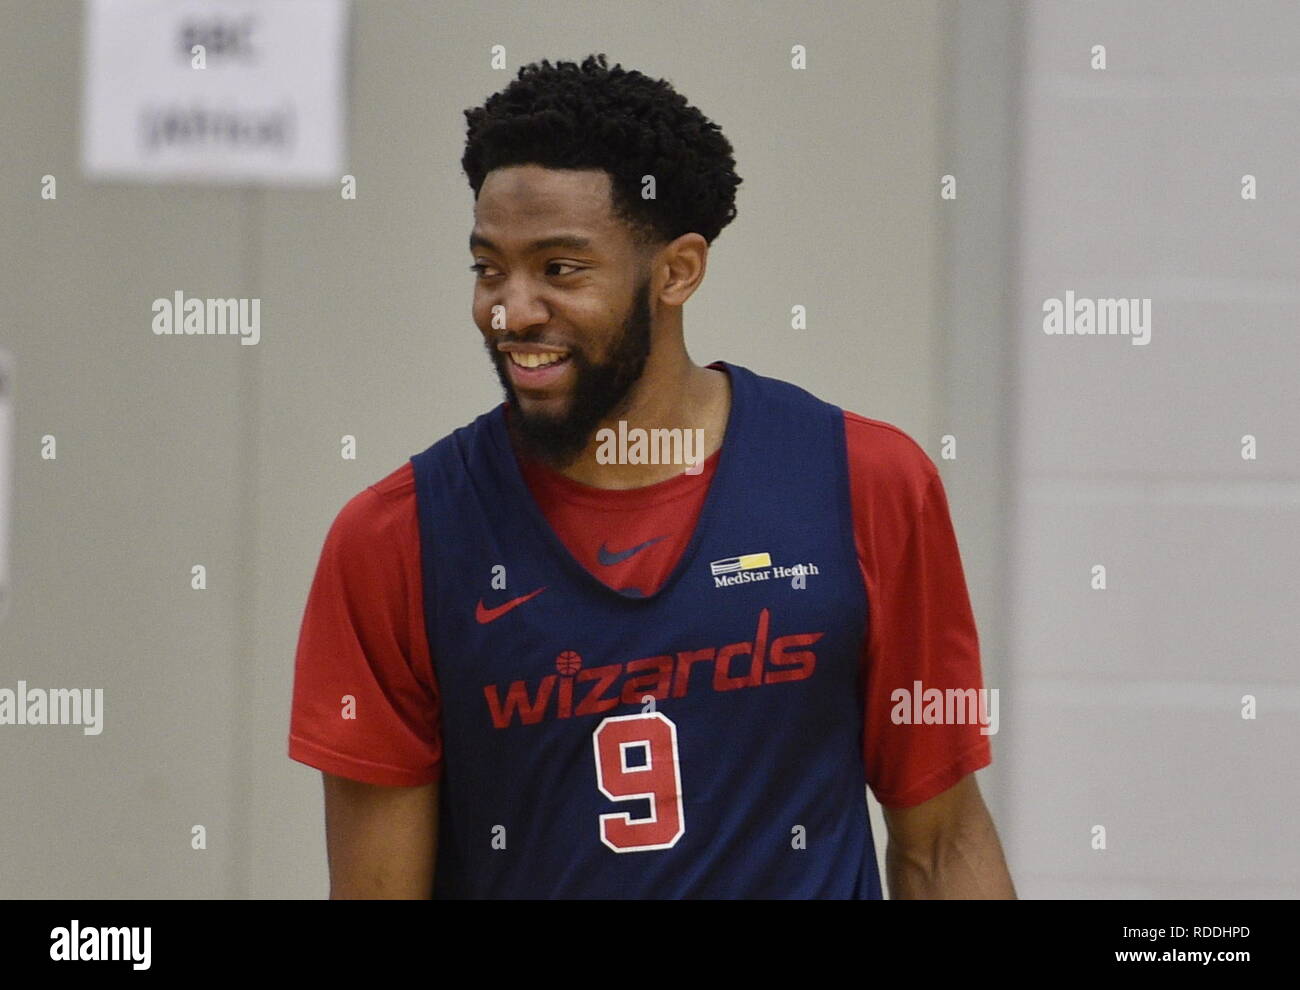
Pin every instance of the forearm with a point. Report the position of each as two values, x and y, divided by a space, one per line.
382 842
969 864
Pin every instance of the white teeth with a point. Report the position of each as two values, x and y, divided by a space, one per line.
534 360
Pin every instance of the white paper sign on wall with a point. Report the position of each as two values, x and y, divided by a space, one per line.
230 91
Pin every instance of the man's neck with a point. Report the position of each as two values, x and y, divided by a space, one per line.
684 397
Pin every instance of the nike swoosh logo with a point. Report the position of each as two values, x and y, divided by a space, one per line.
609 558
486 615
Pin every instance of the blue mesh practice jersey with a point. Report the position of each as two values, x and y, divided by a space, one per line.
701 741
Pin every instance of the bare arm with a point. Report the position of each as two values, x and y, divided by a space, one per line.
382 841
946 849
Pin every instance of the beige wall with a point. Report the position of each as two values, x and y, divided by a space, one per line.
181 451
1130 699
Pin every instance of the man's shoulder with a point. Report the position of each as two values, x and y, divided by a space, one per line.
885 444
390 502
396 486
397 489
884 458
454 449
377 512
880 454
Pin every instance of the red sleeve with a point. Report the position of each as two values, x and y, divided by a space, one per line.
362 635
920 624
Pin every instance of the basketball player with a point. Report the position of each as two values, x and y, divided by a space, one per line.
538 663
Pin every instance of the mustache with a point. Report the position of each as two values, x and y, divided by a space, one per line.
515 338
493 344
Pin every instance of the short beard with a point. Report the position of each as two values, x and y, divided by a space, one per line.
599 391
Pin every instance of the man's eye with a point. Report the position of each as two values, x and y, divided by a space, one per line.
478 268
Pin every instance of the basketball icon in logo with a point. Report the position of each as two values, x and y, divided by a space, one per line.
568 663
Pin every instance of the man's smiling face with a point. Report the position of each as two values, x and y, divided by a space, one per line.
576 330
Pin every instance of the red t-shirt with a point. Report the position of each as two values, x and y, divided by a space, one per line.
363 629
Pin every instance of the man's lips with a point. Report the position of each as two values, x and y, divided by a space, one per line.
534 366
531 348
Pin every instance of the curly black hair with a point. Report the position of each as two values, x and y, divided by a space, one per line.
593 116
